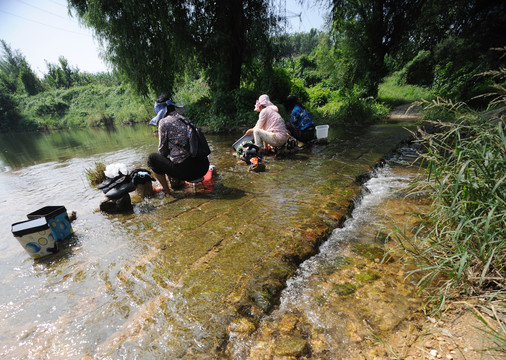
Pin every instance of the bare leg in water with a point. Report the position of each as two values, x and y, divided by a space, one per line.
162 179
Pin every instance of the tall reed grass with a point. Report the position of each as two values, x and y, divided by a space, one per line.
467 241
461 250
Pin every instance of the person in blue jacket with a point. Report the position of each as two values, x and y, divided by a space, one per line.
301 126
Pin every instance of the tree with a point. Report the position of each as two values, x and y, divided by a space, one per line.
15 73
371 29
9 113
31 83
150 41
61 75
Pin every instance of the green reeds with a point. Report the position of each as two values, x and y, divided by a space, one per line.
96 175
466 244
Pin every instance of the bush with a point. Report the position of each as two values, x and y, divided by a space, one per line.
298 90
466 244
418 71
319 96
461 84
9 113
224 111
51 106
279 86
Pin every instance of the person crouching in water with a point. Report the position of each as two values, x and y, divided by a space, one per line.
270 128
173 161
301 126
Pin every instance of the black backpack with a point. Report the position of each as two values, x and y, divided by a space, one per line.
198 143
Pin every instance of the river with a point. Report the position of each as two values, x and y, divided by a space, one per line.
167 279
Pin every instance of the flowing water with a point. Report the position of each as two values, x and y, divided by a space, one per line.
167 279
323 313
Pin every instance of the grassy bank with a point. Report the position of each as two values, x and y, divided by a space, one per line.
100 105
460 251
82 106
392 93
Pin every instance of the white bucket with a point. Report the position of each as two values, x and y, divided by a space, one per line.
322 131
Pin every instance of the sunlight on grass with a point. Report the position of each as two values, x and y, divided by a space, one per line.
393 94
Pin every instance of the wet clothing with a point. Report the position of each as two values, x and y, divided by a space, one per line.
270 128
173 157
301 126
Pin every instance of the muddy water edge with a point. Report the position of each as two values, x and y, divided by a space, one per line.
185 276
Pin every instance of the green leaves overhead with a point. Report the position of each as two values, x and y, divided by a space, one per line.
150 41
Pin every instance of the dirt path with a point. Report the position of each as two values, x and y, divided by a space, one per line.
407 112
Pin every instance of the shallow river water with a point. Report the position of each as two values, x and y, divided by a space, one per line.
165 280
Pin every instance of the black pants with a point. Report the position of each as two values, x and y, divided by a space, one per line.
189 169
306 135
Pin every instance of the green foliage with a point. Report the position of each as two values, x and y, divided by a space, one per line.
358 108
458 34
279 85
460 84
96 174
467 240
82 106
290 45
50 106
299 91
150 42
16 76
61 75
224 111
9 113
305 69
319 96
418 71
31 83
463 248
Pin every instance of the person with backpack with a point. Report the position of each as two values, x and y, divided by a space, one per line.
174 160
270 128
301 126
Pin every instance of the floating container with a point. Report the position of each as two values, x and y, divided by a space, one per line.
57 219
322 132
41 233
36 237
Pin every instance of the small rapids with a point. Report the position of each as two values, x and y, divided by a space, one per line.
304 303
383 184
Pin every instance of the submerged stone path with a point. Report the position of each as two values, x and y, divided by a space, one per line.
207 260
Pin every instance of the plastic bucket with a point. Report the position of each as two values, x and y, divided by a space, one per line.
57 219
36 237
322 131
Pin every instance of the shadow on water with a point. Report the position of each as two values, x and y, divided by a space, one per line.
167 279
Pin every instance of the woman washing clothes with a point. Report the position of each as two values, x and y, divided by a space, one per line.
270 128
173 164
300 126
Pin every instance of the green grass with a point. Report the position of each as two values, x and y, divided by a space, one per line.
97 174
83 106
393 94
462 251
